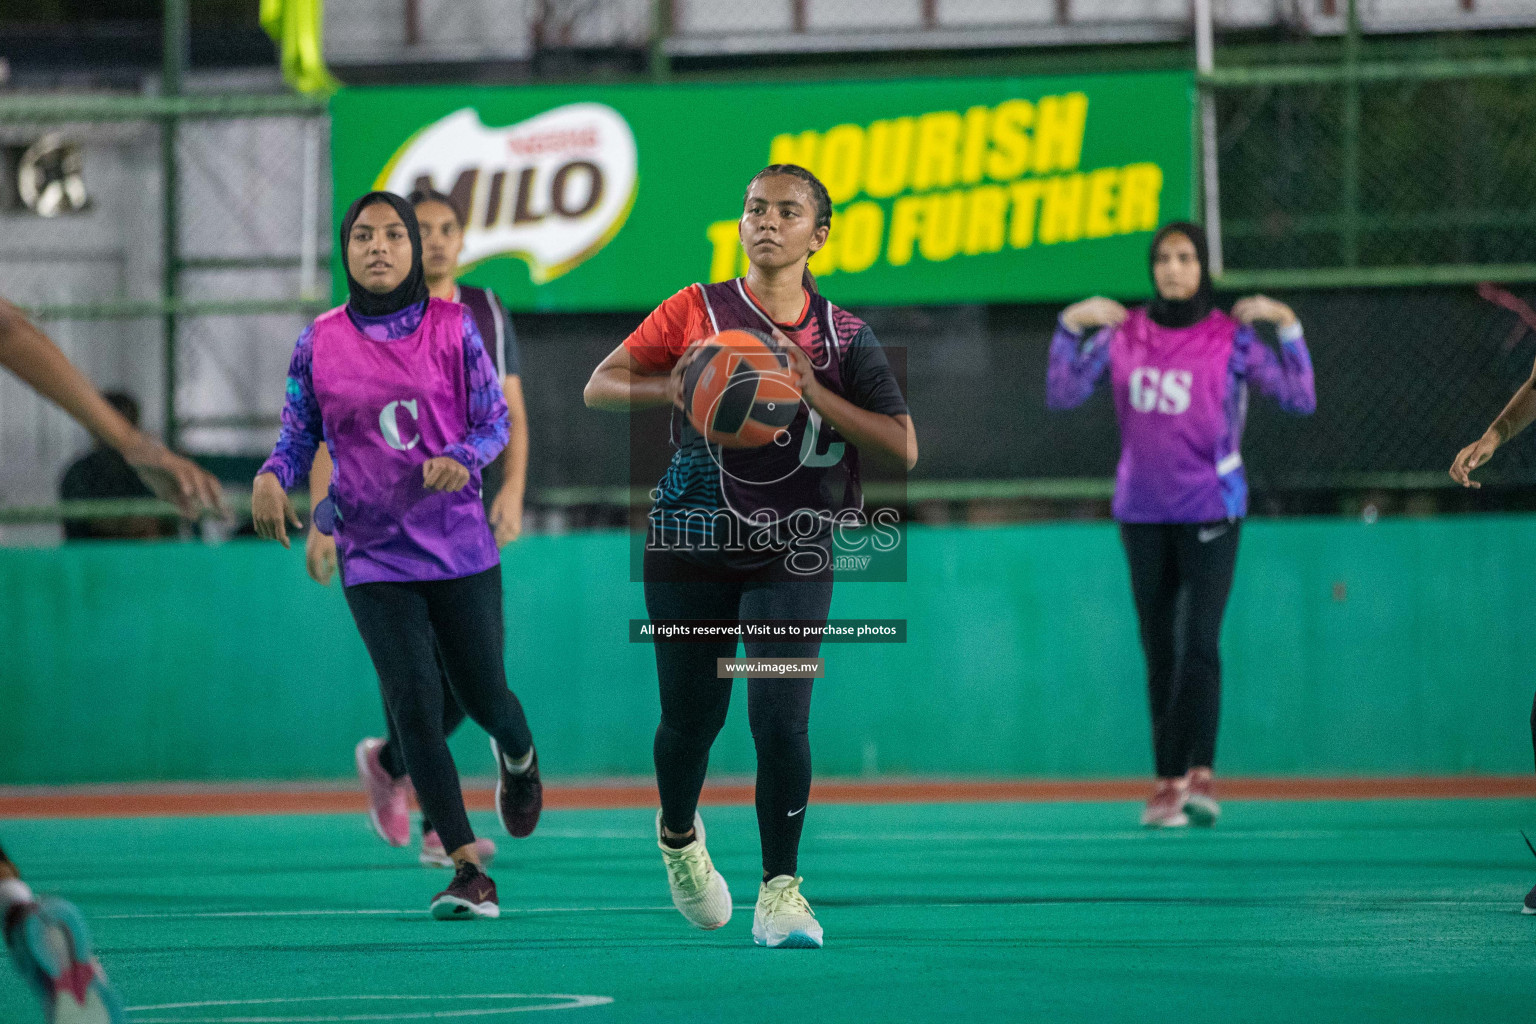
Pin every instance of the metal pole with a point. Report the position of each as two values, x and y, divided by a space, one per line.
1350 125
173 65
309 211
661 28
1210 170
412 22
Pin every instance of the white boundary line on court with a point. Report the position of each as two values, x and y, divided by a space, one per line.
1021 900
413 912
565 1002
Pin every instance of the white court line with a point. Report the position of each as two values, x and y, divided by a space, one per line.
1020 899
413 912
936 837
565 1002
1045 837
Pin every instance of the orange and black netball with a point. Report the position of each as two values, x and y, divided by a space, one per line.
740 390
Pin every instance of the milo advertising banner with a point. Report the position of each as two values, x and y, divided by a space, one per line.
944 190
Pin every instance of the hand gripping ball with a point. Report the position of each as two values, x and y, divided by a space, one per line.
740 390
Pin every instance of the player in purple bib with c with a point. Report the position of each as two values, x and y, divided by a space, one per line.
399 387
1180 370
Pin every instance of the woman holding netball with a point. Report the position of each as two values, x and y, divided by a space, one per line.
399 387
745 534
1180 370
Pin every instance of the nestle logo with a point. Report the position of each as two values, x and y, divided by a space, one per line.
583 139
551 190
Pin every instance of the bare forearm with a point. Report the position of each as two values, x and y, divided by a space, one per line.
892 436
320 476
515 455
28 353
1517 415
618 389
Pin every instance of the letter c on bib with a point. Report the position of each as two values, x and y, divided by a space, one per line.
391 428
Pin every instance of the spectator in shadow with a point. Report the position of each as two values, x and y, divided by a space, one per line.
104 473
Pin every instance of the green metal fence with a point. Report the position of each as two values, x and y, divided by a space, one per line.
1367 170
1343 164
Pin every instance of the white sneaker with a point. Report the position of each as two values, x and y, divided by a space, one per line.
434 856
698 891
783 919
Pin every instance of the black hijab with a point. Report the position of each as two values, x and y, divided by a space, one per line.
409 292
1176 313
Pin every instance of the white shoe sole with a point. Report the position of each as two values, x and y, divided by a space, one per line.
451 908
1180 820
719 891
798 939
1527 910
1202 811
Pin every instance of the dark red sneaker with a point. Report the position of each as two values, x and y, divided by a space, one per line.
519 796
471 894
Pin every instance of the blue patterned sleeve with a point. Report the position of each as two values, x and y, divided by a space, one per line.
302 430
1286 377
489 423
1075 365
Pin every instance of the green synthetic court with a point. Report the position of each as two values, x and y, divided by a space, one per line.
1378 911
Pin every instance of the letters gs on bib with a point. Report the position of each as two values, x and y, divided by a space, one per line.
1164 391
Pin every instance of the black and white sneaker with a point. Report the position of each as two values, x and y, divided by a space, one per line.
471 894
519 795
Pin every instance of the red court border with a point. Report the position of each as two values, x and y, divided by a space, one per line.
168 800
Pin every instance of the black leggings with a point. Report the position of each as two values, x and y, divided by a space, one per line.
491 479
390 758
694 702
1181 575
398 622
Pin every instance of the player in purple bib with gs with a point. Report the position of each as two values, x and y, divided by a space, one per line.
399 387
1180 370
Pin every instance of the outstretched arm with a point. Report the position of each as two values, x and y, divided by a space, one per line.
32 356
1517 415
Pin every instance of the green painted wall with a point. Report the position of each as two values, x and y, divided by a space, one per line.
1393 648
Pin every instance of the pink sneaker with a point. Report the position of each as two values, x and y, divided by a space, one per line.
1199 801
388 811
1166 808
434 856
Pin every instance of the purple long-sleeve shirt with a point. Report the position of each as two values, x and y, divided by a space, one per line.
387 395
1181 397
303 428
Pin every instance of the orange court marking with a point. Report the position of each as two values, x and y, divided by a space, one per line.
146 801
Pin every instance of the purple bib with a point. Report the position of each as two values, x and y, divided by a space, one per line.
388 407
1180 413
